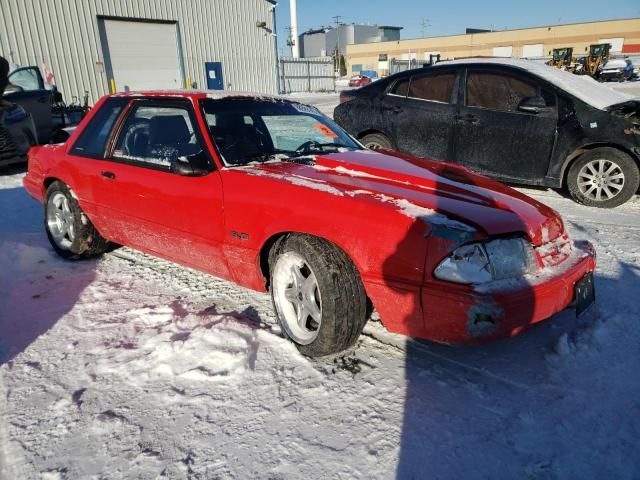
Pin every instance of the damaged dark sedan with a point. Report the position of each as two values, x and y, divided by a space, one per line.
517 121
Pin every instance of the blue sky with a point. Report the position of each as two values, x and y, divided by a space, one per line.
446 18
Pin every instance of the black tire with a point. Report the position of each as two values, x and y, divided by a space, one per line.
87 242
376 140
343 298
613 156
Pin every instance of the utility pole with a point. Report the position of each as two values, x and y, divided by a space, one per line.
424 23
290 40
337 55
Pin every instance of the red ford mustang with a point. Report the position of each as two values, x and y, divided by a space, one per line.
271 194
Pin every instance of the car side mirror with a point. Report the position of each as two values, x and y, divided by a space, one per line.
11 88
532 104
188 166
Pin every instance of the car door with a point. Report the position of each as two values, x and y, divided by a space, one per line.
496 134
422 109
155 209
31 95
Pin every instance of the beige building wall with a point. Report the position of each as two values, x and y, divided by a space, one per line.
624 35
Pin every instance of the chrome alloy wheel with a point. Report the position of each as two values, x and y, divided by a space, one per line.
60 220
297 298
600 180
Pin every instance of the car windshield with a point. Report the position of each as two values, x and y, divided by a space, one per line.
257 130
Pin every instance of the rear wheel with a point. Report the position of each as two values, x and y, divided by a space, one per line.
376 140
317 295
603 177
69 230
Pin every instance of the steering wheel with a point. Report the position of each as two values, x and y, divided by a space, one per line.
306 146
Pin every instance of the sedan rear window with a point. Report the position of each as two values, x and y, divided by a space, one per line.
496 91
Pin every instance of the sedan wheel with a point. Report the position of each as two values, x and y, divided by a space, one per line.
600 180
60 221
317 294
297 298
603 177
71 233
374 141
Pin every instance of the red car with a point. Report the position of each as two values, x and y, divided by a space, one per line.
272 195
359 81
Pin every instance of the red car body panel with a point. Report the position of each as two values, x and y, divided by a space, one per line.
396 217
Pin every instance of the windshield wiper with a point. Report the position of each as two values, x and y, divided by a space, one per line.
312 146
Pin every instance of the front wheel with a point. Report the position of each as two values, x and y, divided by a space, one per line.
603 177
317 295
373 141
69 230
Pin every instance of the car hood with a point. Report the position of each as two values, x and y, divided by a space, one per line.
416 186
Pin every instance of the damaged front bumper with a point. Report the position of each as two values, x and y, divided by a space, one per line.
474 314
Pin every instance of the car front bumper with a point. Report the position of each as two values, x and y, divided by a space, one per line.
466 314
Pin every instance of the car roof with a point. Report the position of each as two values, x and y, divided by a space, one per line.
582 87
200 94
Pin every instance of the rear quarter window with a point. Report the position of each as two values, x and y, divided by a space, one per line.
93 139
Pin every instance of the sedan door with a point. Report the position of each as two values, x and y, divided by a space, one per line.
30 94
164 195
506 126
423 111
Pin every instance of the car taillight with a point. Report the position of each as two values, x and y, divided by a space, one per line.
345 97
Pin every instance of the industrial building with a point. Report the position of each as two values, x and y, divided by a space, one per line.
539 42
324 41
100 46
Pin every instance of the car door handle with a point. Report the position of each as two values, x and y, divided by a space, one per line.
468 118
109 175
394 109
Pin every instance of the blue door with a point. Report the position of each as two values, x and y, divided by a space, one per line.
213 71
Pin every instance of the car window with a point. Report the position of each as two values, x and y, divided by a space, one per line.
92 141
435 88
497 91
260 130
401 88
27 79
156 136
288 132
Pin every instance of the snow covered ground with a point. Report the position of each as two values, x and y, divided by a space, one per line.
132 367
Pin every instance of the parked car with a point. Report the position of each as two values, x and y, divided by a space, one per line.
26 88
613 71
17 130
359 81
273 195
515 120
17 133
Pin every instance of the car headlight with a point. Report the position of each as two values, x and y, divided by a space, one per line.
15 115
483 262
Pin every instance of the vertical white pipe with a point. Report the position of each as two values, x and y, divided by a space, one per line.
295 50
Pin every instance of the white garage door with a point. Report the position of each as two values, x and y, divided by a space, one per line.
532 51
143 55
506 51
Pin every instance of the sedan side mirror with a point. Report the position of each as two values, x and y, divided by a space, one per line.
532 104
188 167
